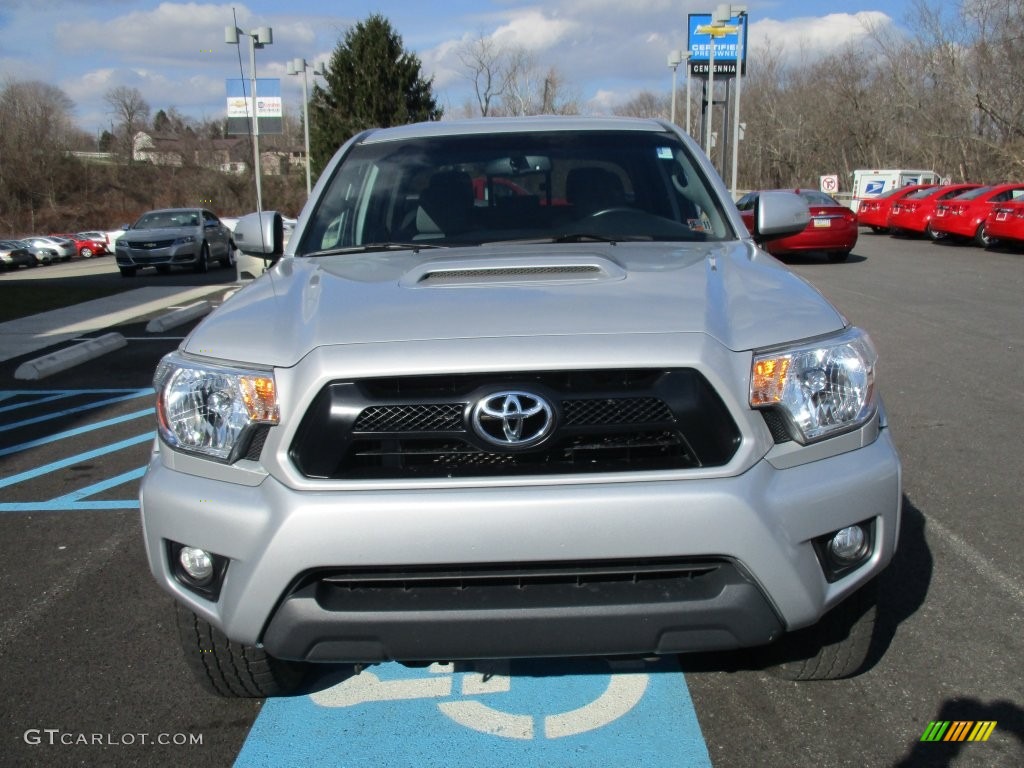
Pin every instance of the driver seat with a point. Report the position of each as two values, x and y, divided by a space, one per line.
593 189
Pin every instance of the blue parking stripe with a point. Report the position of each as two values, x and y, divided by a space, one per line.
67 506
76 459
134 394
76 432
103 485
543 713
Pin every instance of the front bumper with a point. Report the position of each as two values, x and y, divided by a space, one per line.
292 553
180 254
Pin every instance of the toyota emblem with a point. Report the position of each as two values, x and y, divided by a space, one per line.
513 419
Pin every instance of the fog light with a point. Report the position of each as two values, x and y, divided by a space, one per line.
197 563
848 545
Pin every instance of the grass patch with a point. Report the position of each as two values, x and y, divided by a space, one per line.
20 298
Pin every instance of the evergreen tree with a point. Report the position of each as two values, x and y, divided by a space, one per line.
372 81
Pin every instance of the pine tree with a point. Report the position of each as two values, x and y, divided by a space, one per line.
372 81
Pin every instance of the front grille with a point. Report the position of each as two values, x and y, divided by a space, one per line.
517 585
605 421
150 245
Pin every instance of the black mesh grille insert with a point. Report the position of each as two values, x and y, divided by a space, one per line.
604 421
440 417
640 410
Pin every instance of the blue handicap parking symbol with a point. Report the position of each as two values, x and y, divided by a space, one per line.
519 713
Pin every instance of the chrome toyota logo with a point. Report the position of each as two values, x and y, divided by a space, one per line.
513 419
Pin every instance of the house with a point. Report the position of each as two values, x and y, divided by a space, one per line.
230 155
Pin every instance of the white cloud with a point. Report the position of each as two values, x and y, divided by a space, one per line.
814 36
533 30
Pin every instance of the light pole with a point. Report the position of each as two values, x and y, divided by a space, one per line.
674 59
258 38
688 79
296 66
708 117
719 27
740 11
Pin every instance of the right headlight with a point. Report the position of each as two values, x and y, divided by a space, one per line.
207 409
824 387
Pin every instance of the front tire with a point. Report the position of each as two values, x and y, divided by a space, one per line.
837 646
127 271
229 669
86 253
203 263
231 258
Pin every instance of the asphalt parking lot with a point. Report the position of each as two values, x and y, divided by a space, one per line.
93 675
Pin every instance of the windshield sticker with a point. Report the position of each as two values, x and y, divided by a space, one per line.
664 153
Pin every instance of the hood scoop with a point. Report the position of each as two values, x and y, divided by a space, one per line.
512 271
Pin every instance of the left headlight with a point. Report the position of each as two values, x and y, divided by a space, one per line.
824 386
209 409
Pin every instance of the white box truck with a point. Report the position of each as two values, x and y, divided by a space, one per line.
868 184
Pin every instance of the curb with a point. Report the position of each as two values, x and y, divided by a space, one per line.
179 316
70 356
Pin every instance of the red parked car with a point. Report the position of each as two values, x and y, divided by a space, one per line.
87 246
913 214
874 212
1005 223
965 216
832 229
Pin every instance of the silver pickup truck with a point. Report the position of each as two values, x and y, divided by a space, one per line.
520 388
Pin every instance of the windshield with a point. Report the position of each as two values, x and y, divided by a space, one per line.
558 185
167 220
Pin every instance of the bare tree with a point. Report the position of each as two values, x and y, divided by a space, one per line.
132 111
36 133
646 104
487 67
508 80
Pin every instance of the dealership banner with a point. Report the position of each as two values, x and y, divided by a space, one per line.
698 43
268 105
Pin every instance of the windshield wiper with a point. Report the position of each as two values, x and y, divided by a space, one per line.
373 248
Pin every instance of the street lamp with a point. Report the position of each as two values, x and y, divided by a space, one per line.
719 27
688 79
675 58
295 67
740 11
258 38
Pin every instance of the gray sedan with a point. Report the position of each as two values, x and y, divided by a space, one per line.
187 237
65 248
14 254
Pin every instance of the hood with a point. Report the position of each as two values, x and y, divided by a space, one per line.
731 291
163 233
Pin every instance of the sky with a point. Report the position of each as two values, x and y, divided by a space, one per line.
174 52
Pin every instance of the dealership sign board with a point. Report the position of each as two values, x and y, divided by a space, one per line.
698 43
268 105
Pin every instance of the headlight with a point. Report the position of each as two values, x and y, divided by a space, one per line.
184 240
208 409
825 387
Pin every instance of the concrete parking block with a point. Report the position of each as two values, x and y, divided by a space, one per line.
179 316
36 332
71 356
